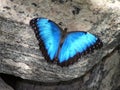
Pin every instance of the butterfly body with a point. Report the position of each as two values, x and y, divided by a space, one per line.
60 46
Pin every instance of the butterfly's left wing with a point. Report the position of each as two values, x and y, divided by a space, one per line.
49 34
76 43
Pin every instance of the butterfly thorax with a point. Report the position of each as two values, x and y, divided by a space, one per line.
63 36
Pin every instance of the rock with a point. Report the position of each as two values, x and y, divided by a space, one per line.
103 76
19 50
4 86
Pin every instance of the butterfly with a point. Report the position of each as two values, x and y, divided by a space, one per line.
62 47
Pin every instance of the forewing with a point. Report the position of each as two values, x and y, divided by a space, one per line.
49 33
77 42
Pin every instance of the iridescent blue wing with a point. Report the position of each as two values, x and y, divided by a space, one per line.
77 43
49 34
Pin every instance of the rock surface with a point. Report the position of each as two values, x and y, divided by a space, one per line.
4 86
104 76
19 51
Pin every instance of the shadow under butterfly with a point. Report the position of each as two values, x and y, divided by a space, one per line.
62 47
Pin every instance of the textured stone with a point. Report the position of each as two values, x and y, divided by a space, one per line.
4 86
19 51
103 76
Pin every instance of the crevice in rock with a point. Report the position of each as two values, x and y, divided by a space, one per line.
10 79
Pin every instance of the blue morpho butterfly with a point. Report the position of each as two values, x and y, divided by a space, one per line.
60 46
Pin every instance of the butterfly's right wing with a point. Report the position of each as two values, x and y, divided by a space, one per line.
49 35
77 43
